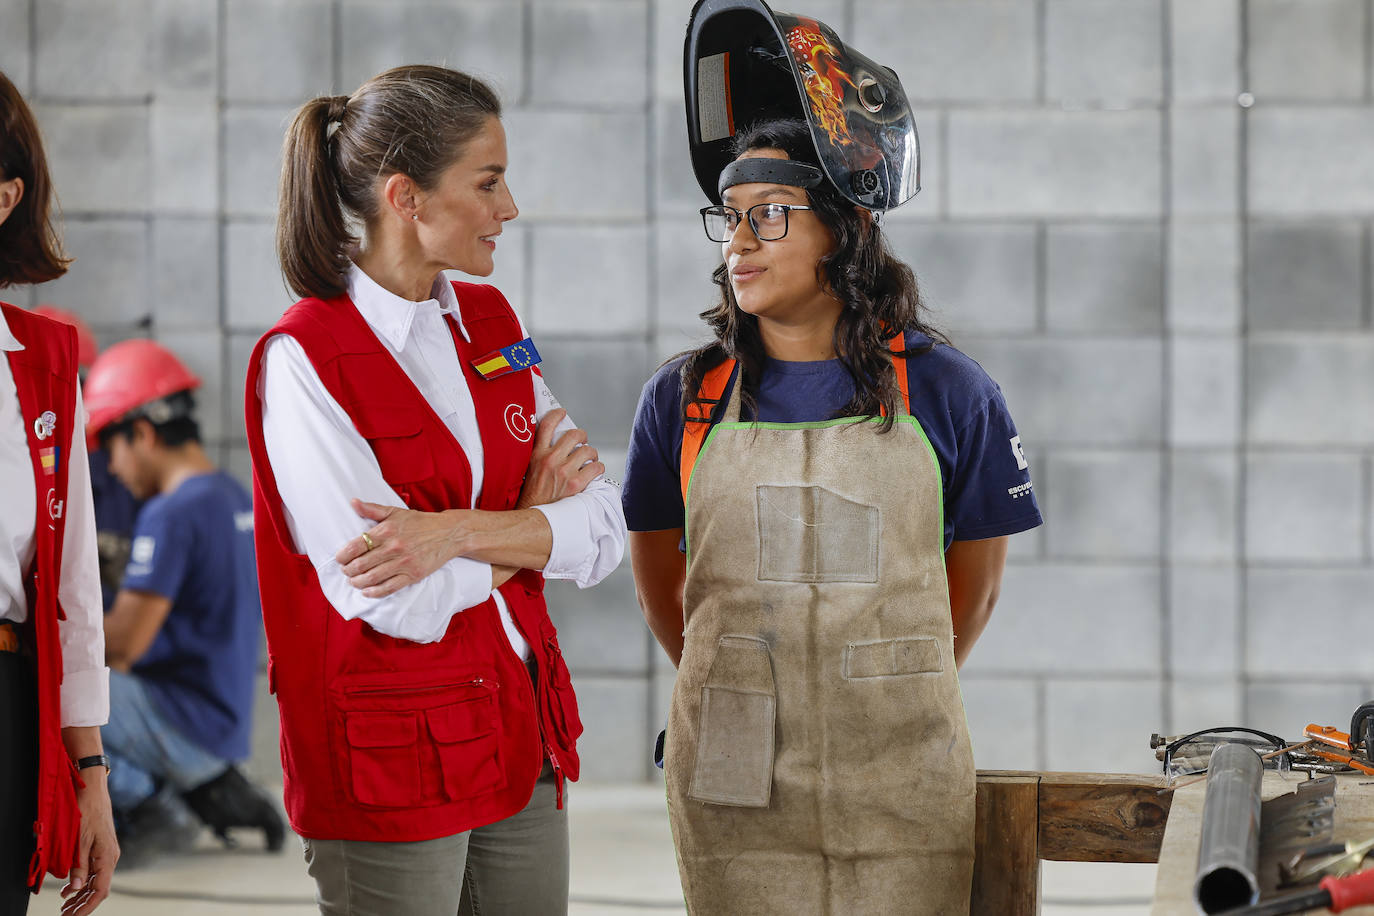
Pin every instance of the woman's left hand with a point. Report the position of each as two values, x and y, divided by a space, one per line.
97 849
407 545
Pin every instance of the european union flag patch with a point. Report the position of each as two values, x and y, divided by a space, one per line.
513 358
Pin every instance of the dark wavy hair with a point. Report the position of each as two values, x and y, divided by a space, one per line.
30 248
879 293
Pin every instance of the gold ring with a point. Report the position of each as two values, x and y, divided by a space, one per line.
367 539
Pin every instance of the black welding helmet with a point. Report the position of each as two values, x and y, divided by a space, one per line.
745 63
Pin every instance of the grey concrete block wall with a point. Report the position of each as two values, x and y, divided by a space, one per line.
1173 291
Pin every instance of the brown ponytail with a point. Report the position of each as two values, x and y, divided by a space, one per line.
30 250
412 120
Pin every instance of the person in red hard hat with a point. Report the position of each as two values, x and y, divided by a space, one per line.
182 638
54 805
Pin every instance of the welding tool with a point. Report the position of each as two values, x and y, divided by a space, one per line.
1335 894
1332 860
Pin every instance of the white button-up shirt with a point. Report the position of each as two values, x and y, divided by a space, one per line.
320 462
85 679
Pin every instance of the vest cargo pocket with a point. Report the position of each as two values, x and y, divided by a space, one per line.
384 758
734 761
466 735
419 738
561 697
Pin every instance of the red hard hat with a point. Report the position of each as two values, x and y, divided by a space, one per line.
86 346
129 375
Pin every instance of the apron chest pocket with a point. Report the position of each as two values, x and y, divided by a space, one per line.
815 535
734 761
385 758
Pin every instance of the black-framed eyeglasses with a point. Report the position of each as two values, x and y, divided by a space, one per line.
769 221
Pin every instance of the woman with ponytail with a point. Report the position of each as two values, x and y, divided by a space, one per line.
415 481
54 687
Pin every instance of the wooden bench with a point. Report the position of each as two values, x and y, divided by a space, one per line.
1026 817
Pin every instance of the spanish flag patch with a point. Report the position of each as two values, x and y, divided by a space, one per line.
517 356
47 457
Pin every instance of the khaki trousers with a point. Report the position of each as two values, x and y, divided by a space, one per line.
514 867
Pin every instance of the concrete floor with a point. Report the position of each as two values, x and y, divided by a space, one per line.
622 865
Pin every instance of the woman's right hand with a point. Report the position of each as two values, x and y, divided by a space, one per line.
558 468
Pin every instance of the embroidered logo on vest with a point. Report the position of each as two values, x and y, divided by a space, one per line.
519 425
43 427
54 507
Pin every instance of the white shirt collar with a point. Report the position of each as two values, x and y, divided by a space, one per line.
8 342
392 316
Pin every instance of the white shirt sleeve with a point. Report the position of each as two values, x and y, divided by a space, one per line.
588 527
85 679
320 462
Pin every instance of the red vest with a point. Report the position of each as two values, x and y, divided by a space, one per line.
383 738
46 380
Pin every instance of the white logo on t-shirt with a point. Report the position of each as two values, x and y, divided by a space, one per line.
243 521
142 550
1018 453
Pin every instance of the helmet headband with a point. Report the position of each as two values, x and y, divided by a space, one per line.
764 169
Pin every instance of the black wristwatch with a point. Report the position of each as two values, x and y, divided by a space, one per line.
95 760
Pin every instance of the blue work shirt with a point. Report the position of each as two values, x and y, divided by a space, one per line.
195 546
983 471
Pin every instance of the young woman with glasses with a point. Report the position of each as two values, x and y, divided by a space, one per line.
819 502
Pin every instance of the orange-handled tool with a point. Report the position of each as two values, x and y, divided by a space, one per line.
1327 734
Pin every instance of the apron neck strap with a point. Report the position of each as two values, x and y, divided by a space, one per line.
732 406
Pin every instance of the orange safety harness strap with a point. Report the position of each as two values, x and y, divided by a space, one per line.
700 410
698 419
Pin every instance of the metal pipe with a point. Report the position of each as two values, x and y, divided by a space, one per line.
1228 856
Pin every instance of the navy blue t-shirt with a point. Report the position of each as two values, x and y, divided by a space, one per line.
195 546
983 471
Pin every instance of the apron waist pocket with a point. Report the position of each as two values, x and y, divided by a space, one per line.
892 657
734 760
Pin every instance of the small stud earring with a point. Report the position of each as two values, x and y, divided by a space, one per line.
414 216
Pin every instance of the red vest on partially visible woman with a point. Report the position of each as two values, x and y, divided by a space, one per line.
45 378
383 738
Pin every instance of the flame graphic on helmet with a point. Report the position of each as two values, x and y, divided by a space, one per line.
824 80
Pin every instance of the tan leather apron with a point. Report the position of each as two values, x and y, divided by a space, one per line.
818 758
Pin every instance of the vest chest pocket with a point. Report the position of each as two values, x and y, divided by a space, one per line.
414 743
395 432
734 762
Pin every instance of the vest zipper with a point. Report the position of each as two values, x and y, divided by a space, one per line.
557 772
431 688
